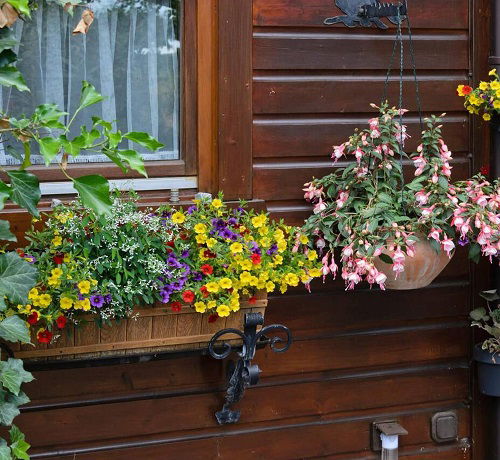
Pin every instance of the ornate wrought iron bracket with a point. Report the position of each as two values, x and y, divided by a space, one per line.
242 373
364 13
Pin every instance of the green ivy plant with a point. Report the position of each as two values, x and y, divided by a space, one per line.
47 132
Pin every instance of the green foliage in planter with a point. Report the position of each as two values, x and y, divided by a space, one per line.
488 319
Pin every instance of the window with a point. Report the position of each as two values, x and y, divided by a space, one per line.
132 54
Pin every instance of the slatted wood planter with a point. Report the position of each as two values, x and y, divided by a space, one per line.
150 330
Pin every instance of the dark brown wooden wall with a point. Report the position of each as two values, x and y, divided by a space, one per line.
358 356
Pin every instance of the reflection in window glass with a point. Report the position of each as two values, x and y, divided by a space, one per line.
130 54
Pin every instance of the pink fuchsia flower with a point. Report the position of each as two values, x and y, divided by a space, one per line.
346 253
422 197
426 212
448 246
343 197
312 192
399 256
319 207
446 169
338 152
435 234
359 154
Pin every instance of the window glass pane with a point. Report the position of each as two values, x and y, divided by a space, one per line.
130 54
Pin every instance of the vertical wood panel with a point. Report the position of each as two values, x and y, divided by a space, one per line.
235 98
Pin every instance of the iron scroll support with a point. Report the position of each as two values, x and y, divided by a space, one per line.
242 373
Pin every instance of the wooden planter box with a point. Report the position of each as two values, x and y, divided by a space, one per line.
151 330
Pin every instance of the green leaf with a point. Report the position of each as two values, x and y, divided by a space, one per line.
10 76
89 136
13 375
7 39
5 233
17 277
18 445
443 183
14 329
19 399
73 147
385 258
47 113
474 252
49 148
478 314
4 193
8 412
14 153
144 139
490 296
7 57
94 193
22 6
89 96
25 190
100 122
114 139
133 159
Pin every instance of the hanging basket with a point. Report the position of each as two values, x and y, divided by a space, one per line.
420 270
149 330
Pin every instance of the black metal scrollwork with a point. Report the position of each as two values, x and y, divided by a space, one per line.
242 373
366 12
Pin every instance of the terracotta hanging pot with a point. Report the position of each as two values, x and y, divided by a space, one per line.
420 270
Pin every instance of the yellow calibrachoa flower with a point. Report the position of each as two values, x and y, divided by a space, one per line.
56 272
282 246
223 310
52 281
495 85
270 286
178 218
216 203
201 238
259 221
211 242
44 300
201 255
225 283
83 305
200 228
66 303
200 307
67 258
486 117
304 239
492 72
484 86
234 305
33 294
246 264
254 281
236 248
263 231
212 286
245 278
315 272
265 242
312 255
84 287
292 279
278 260
24 309
211 304
56 241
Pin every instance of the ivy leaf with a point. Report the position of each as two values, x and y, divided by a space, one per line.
89 96
478 314
5 233
490 296
49 148
17 277
47 113
474 252
19 399
22 6
143 139
73 147
25 190
114 139
4 193
13 375
18 445
14 329
7 57
7 40
10 76
94 193
8 412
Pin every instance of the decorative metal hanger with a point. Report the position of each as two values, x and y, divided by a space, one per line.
367 12
242 373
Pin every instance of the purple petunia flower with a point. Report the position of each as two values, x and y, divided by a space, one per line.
185 253
272 250
197 276
232 221
108 298
97 300
191 209
29 258
463 241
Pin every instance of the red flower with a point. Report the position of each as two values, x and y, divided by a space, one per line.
58 259
176 306
485 170
255 259
183 236
20 252
207 269
204 291
61 322
209 254
44 336
466 89
170 243
33 318
252 300
213 318
188 296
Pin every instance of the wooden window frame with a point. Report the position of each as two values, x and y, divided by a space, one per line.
187 164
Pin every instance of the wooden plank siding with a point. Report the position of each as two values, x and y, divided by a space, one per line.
285 95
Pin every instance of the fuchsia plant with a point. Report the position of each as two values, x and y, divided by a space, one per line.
364 209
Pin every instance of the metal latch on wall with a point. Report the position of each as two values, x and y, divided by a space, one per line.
385 438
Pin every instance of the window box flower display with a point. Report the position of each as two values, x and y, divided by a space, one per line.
135 281
394 233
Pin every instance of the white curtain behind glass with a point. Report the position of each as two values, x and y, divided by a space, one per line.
130 55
